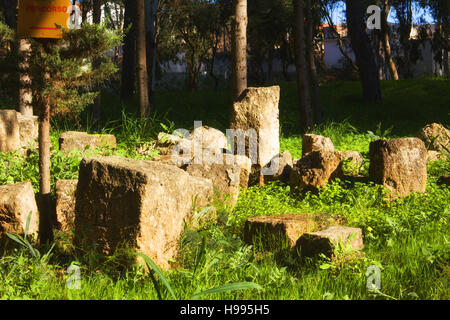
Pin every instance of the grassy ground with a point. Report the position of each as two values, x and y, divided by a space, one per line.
407 239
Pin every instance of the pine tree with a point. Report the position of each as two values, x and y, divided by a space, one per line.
62 72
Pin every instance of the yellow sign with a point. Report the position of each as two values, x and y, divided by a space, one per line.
38 18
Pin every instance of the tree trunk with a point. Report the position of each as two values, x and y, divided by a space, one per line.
25 94
151 7
141 59
96 107
301 66
312 64
45 211
129 52
239 48
84 12
10 13
365 57
385 39
404 15
445 30
381 56
212 60
285 57
192 66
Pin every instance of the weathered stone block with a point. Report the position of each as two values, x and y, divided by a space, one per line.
9 131
436 137
28 129
275 232
245 165
202 191
257 110
285 164
314 142
353 156
315 169
65 204
17 201
325 241
73 140
224 176
134 202
399 164
435 156
209 138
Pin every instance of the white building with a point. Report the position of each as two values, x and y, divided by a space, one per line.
425 66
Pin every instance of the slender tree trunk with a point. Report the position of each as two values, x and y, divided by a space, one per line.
301 66
239 48
404 15
25 94
141 58
129 52
445 30
385 39
365 57
212 60
84 10
151 7
312 64
381 56
10 13
285 57
45 210
96 107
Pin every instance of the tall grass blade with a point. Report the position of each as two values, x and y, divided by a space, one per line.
152 265
16 239
200 254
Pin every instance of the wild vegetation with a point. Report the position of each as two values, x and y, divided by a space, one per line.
111 75
406 238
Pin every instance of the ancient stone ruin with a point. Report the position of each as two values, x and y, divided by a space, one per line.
436 137
9 131
73 140
225 176
314 142
141 204
272 232
326 241
17 131
65 204
17 202
285 164
315 169
254 119
399 164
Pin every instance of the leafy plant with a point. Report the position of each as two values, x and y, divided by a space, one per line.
379 133
24 242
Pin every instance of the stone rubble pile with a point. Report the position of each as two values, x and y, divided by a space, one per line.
145 204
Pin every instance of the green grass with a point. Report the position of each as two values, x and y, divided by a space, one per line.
408 238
